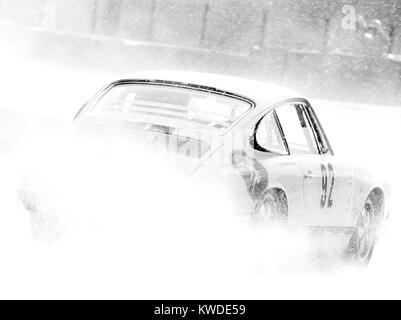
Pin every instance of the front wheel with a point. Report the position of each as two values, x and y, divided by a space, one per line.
363 241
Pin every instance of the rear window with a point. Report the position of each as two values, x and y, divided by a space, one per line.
182 107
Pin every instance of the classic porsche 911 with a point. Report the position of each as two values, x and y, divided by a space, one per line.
266 138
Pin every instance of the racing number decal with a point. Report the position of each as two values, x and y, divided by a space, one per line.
327 177
323 198
331 172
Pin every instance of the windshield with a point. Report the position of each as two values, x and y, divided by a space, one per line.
166 105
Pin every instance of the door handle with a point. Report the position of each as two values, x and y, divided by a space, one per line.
309 176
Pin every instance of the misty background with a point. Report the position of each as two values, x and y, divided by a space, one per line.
341 49
55 54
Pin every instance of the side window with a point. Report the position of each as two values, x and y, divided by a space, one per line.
321 137
297 131
268 136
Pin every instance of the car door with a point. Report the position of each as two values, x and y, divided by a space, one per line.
303 148
275 166
337 179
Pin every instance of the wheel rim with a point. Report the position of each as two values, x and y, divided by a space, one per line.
365 233
268 212
264 214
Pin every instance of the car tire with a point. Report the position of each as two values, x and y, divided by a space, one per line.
363 241
272 209
45 222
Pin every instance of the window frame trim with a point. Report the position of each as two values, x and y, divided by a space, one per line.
256 146
320 133
302 103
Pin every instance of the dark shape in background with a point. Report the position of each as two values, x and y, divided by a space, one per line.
299 43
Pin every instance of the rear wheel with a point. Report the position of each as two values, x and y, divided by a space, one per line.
272 209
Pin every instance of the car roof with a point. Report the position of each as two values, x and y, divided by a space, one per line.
262 93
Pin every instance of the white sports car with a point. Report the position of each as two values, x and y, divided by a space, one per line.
266 139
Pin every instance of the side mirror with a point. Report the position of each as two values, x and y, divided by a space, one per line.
325 150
